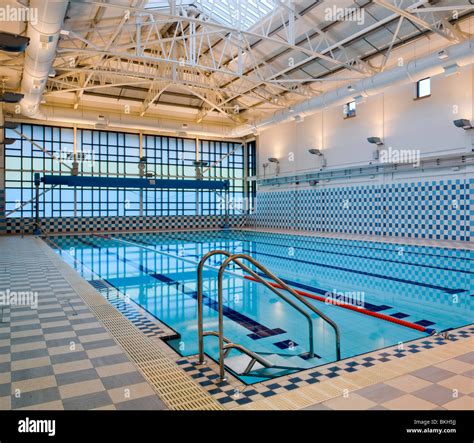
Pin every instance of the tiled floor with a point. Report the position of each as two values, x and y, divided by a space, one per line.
341 380
59 356
446 385
62 356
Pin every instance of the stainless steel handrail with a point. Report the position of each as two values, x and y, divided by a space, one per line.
229 346
257 277
235 258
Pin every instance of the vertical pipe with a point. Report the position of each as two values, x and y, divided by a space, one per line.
246 203
198 174
226 202
2 171
37 230
75 160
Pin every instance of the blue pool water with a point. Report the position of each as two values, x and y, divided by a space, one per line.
431 287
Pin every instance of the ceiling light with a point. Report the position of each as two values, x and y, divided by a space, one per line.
10 97
9 125
13 42
351 88
8 141
375 140
463 123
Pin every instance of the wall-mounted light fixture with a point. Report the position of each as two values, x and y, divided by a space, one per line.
359 99
10 97
198 167
8 141
451 70
9 125
463 123
317 152
378 142
375 140
13 42
277 164
443 54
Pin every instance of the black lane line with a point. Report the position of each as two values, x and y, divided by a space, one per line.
386 260
257 330
369 274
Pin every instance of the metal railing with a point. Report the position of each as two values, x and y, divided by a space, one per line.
225 344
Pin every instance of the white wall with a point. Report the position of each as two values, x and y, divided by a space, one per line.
403 123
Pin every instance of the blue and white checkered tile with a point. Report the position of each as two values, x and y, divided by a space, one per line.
440 210
148 324
233 393
98 224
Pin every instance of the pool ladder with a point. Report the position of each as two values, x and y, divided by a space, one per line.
226 345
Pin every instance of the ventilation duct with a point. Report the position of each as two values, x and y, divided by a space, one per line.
461 54
41 52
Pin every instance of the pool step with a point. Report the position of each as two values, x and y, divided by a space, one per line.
239 364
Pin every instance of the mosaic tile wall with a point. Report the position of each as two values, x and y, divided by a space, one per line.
439 210
97 224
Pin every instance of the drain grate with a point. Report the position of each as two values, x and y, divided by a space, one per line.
93 298
171 383
103 312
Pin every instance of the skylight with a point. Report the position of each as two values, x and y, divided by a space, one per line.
236 13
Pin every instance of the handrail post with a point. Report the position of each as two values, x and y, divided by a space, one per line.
202 262
221 319
200 314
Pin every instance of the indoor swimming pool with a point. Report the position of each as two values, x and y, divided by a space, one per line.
392 293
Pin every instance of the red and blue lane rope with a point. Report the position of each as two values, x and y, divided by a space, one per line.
361 310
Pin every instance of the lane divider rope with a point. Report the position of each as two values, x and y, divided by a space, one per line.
354 308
